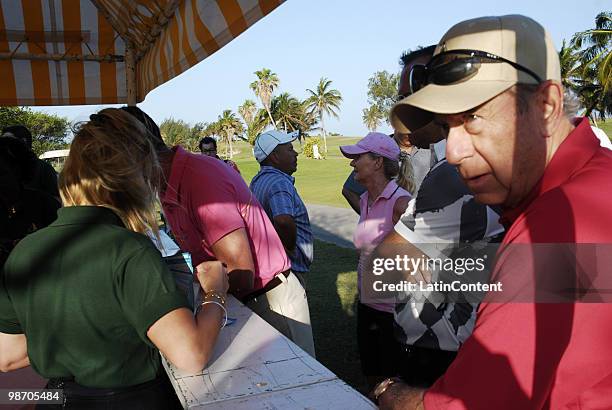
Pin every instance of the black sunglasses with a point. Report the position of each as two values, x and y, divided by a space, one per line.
456 66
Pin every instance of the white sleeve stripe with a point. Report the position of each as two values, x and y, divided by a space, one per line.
407 233
428 247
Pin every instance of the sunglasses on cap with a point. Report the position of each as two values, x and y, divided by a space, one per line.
456 66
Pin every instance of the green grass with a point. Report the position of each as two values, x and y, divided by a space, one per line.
332 291
317 181
606 126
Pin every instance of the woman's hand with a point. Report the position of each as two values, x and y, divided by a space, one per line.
212 276
192 351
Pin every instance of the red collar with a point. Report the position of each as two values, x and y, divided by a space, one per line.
571 156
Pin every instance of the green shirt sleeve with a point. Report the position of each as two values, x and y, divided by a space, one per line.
8 318
147 291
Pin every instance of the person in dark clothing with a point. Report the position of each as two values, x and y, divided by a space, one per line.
43 177
88 300
22 210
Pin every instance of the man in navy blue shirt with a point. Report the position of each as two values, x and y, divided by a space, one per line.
274 188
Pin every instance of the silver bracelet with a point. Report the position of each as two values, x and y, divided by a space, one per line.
218 304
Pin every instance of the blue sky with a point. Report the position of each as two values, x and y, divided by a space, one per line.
345 41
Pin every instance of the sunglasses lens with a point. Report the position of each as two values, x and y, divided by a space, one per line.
418 78
454 71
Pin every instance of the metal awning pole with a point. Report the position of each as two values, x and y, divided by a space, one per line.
130 74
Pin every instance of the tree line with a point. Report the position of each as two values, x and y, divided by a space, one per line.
283 112
586 71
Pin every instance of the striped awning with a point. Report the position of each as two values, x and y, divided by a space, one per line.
65 52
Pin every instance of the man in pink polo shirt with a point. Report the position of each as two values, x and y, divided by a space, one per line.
214 216
494 85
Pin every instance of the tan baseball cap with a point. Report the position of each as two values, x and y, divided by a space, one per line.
516 38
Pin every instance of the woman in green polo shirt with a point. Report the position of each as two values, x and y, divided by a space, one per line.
88 301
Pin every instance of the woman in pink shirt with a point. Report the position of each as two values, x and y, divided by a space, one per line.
375 159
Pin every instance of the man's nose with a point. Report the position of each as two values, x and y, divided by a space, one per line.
458 145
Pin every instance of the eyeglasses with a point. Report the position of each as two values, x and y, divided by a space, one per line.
456 66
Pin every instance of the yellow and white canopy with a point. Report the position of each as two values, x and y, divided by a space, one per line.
64 52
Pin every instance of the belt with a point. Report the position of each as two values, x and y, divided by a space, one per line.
274 282
71 388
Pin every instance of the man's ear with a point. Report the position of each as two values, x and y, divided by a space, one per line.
550 106
272 159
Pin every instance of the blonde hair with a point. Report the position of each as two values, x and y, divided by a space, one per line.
401 171
113 164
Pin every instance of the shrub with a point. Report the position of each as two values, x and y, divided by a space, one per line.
308 150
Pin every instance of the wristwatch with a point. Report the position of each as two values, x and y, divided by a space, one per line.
383 386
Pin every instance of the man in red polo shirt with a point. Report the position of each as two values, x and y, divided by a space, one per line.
494 85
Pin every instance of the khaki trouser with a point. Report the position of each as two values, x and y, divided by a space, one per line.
286 308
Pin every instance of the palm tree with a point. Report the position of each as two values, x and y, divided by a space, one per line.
324 101
229 125
260 121
592 95
598 48
594 79
570 66
211 130
288 113
255 120
372 116
247 111
263 88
